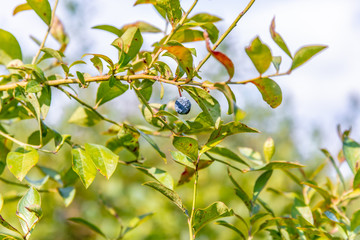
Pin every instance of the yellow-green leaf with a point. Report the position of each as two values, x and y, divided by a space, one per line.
42 9
270 91
278 39
304 54
188 146
21 161
83 166
260 55
9 47
28 218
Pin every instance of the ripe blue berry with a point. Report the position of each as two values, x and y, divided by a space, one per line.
182 105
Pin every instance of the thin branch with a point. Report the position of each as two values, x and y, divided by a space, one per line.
223 36
47 33
19 142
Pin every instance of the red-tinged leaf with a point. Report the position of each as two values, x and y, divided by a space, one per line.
304 54
222 58
278 39
21 7
270 91
183 56
260 55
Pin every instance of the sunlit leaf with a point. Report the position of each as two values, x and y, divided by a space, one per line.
130 42
188 146
205 17
225 152
84 117
270 91
351 151
278 165
269 149
103 158
87 224
154 145
172 8
211 213
42 9
170 194
7 225
105 58
183 56
207 103
21 161
228 93
21 7
278 39
83 166
9 47
106 93
27 218
188 35
110 29
53 53
158 174
304 54
260 55
143 27
355 220
182 159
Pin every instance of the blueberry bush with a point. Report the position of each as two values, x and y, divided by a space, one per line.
47 184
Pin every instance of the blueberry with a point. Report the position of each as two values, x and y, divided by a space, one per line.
182 105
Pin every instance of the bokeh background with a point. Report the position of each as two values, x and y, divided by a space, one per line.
316 97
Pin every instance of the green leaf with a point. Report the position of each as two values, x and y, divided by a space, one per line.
232 227
4 236
5 148
34 208
229 95
109 28
269 149
166 113
1 201
278 39
106 93
211 213
324 193
356 182
67 194
53 53
27 218
260 183
158 174
181 158
170 194
355 220
172 8
33 86
7 225
328 155
206 102
21 7
351 151
88 225
276 60
226 130
304 54
21 161
205 17
183 56
260 55
300 208
54 175
44 98
9 47
225 152
81 78
104 159
143 27
188 146
37 183
130 42
83 166
278 165
42 9
270 91
105 58
97 64
188 35
84 117
154 145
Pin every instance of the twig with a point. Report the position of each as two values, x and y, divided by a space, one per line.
223 36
